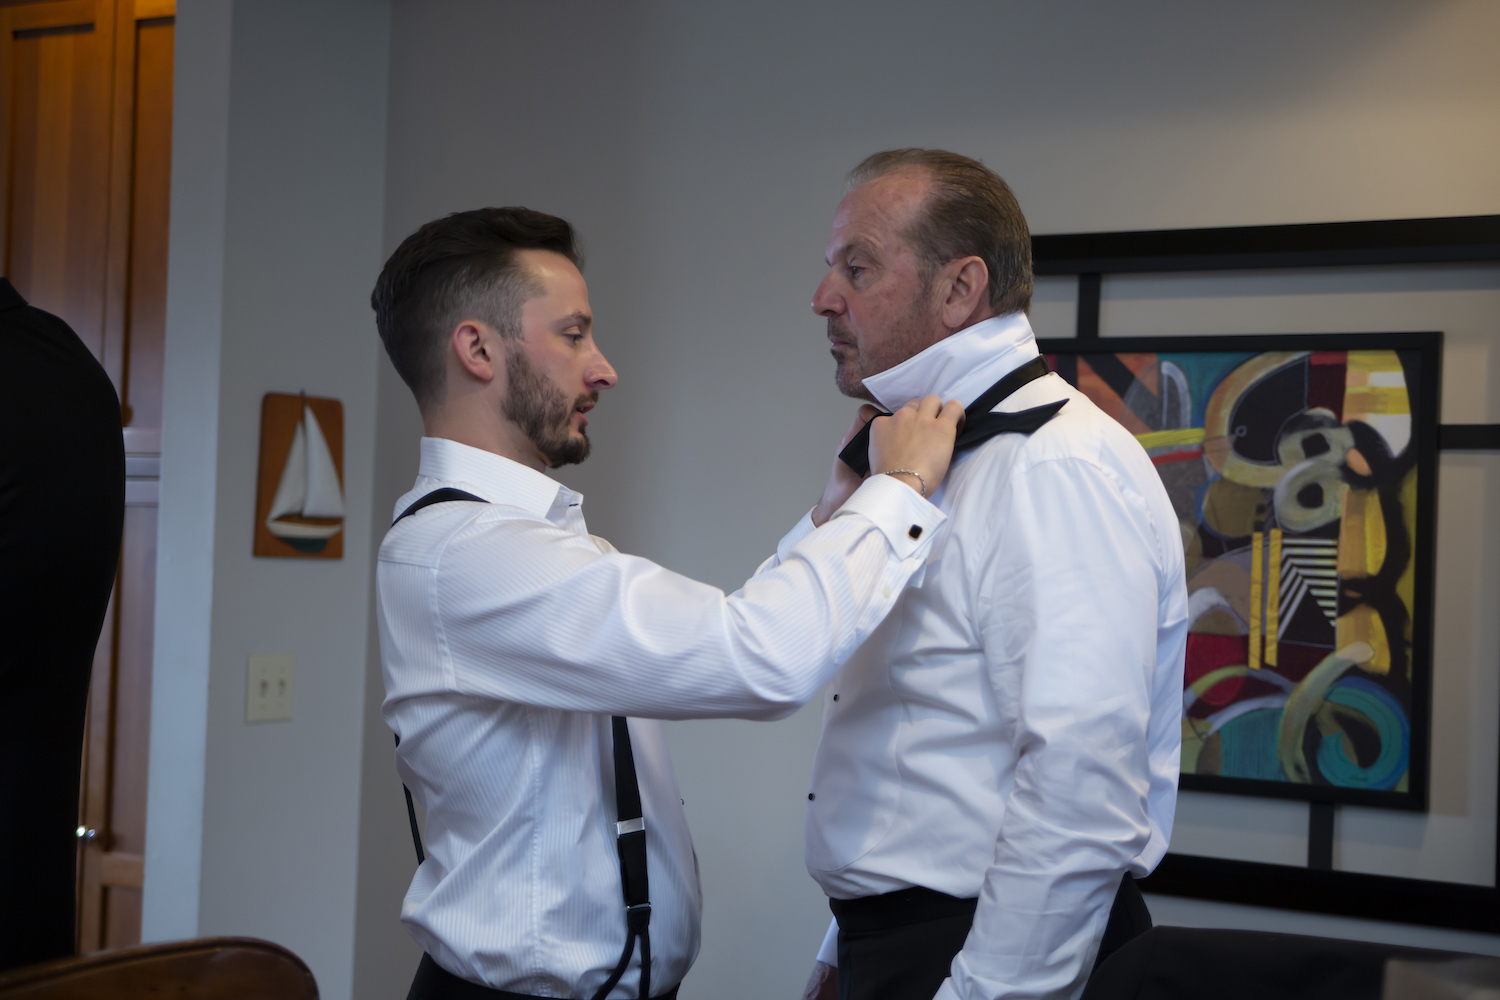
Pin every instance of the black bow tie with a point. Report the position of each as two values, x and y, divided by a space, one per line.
979 423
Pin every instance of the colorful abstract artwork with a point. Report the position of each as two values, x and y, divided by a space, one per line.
1296 480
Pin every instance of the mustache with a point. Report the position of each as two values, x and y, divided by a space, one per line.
585 397
839 330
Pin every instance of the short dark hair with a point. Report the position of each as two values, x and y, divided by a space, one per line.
465 265
970 213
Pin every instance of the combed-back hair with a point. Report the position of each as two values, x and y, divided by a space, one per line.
971 212
464 266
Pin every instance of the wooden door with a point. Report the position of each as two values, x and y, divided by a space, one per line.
85 125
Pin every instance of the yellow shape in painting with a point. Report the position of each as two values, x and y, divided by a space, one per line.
1374 383
1361 535
1161 439
1192 742
1229 508
1372 361
1406 585
1363 624
1273 597
1364 399
1257 553
1220 406
1374 533
1204 684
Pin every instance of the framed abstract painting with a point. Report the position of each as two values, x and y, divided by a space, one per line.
1301 469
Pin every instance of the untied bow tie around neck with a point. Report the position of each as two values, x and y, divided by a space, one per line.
979 423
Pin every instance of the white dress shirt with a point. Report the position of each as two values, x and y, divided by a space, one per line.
509 636
1011 731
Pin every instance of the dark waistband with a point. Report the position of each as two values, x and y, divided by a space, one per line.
434 982
897 909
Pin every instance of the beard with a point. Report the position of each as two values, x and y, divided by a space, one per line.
908 335
543 412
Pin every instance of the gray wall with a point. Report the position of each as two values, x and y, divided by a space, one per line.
278 165
700 148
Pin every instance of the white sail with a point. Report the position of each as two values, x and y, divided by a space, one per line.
309 486
291 491
324 497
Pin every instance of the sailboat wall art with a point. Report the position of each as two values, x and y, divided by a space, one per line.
299 499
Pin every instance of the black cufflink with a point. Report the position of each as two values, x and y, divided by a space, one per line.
915 532
810 796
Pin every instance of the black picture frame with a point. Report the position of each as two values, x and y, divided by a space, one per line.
1427 349
1089 257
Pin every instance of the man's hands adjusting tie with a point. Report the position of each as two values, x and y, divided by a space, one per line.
858 455
913 445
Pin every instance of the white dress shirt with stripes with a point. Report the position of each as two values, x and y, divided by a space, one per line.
509 636
1012 730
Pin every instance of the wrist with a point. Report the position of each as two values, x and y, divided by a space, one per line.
911 478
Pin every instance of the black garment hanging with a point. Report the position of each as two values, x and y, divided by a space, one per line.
630 828
979 423
62 510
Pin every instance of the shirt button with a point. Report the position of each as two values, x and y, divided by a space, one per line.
915 532
810 796
835 697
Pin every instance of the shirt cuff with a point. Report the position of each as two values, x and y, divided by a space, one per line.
828 954
906 520
804 528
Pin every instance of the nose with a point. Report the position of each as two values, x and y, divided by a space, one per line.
600 374
826 301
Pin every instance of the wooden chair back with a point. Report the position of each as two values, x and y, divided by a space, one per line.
203 969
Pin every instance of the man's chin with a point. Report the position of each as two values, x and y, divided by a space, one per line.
850 383
570 452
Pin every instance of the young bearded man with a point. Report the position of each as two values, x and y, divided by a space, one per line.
515 644
1005 747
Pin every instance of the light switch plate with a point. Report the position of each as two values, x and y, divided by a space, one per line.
268 687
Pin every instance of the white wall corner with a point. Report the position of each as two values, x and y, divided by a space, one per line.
185 548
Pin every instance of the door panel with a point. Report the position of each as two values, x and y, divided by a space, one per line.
56 103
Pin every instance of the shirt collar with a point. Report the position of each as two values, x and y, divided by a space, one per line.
493 477
959 367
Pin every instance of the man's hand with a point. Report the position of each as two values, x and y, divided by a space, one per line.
842 480
823 984
919 438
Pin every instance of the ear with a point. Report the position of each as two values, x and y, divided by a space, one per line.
473 345
966 282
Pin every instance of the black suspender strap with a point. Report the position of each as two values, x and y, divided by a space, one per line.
630 839
630 828
436 496
411 815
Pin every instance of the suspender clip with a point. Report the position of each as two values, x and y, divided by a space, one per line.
638 918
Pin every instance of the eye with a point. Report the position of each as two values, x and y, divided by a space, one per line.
854 271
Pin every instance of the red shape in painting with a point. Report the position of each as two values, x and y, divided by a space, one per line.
1207 653
1325 381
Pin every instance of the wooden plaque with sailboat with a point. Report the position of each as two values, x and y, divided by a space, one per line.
299 500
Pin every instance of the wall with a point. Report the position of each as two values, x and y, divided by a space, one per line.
278 166
701 148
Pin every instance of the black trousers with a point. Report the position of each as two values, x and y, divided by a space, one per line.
434 982
899 946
